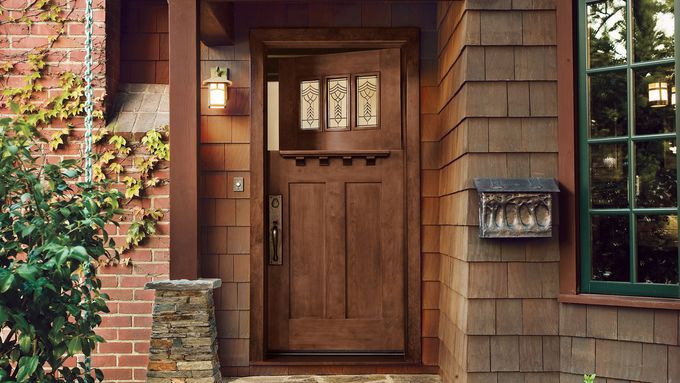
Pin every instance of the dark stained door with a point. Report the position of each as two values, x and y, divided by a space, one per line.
339 172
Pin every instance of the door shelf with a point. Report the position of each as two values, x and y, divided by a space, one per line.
324 156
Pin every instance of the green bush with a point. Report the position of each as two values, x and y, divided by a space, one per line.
50 226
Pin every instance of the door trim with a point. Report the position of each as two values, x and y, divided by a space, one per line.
408 40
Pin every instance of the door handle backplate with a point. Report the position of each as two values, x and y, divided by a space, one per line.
274 229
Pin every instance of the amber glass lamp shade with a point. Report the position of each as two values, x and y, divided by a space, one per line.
218 83
658 94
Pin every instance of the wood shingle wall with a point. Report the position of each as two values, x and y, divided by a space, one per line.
497 110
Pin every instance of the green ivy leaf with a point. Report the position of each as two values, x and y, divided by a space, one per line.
26 367
73 346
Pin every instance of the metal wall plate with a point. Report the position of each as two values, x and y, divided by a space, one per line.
238 184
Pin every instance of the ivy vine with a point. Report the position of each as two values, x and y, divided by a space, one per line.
133 163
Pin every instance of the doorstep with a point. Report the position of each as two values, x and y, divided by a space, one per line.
337 379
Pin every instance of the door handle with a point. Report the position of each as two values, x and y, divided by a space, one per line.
275 227
275 239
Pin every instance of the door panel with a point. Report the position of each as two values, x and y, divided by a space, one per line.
340 286
364 261
306 236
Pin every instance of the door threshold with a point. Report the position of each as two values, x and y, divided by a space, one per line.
336 360
372 378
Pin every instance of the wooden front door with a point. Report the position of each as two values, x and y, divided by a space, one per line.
336 251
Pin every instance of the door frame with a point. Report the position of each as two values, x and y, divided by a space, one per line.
408 40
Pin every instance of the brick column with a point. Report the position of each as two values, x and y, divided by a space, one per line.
183 333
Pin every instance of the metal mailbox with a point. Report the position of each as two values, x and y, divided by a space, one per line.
515 207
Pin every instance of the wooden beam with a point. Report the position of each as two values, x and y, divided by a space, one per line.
216 22
183 36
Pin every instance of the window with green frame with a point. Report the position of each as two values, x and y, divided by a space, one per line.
628 135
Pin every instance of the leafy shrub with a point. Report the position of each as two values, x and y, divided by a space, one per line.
50 226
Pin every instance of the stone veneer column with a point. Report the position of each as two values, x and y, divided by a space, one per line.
183 333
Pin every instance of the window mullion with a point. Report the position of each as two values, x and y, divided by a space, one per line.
676 10
632 184
584 164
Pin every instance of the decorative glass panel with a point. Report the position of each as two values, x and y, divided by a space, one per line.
606 33
653 29
610 247
657 243
310 105
367 101
338 103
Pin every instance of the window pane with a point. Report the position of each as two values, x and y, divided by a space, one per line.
610 248
653 29
609 175
338 103
606 22
655 174
657 249
367 101
309 105
608 113
655 100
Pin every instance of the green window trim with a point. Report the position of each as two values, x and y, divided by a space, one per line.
629 142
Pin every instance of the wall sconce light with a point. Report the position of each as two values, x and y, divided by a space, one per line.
217 88
658 94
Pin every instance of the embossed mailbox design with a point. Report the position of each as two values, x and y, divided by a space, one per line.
515 207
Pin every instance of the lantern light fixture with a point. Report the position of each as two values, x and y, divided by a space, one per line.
673 95
217 88
658 94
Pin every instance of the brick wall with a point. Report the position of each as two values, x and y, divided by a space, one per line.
224 153
497 111
127 328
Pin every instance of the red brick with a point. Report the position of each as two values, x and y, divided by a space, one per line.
13 29
108 280
116 321
134 281
46 29
152 268
111 374
69 42
104 360
142 347
144 295
115 348
140 374
29 42
134 308
142 321
161 203
118 294
134 334
107 333
133 360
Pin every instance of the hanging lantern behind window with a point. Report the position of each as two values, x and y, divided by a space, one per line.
673 96
658 94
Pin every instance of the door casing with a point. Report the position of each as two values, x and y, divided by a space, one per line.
407 39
